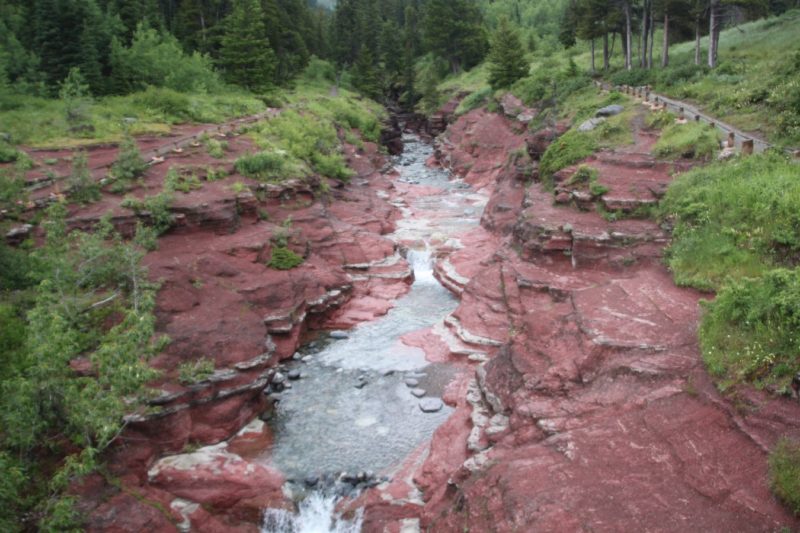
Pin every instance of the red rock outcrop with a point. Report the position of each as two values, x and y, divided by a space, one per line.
594 410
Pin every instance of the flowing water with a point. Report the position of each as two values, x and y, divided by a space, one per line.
357 407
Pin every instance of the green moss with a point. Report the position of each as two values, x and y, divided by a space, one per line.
284 259
784 473
692 140
564 151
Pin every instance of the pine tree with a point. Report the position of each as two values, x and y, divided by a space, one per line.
453 30
507 61
246 56
365 75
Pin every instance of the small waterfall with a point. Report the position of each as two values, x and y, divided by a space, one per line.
421 263
317 514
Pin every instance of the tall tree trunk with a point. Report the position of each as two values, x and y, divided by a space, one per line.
628 35
645 34
605 51
665 49
593 69
652 39
713 32
697 40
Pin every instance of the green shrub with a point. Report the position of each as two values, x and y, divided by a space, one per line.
319 71
8 153
693 140
751 331
216 174
171 104
129 164
735 218
82 187
157 59
474 100
180 181
262 165
284 259
659 120
564 151
332 166
156 207
584 174
192 372
784 473
216 148
634 77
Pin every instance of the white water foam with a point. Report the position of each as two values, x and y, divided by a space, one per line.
317 514
421 263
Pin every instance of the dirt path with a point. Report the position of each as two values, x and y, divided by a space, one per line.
692 112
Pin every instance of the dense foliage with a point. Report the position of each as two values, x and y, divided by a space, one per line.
737 230
82 297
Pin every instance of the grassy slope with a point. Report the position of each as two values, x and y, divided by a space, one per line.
41 122
758 74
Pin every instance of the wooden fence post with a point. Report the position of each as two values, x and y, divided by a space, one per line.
747 147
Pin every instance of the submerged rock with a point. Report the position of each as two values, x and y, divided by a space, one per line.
338 335
419 393
431 405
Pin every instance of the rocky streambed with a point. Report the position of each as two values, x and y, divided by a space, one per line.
507 358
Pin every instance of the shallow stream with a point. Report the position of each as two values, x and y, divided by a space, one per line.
365 400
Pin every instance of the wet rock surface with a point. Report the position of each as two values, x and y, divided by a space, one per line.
594 410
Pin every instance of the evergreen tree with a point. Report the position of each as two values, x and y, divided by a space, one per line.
246 56
453 29
506 58
365 74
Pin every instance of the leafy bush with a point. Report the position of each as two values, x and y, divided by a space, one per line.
216 174
751 331
737 219
319 71
170 104
129 164
7 152
584 174
191 372
301 143
332 166
659 120
262 165
283 258
692 140
82 187
51 416
784 473
216 148
184 182
157 59
474 100
564 151
634 77
156 208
